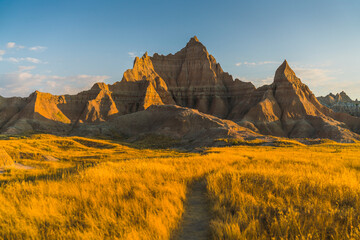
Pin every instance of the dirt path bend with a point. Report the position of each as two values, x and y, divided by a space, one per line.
196 220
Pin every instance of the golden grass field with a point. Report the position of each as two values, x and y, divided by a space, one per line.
104 189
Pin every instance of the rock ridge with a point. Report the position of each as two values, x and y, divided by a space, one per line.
193 79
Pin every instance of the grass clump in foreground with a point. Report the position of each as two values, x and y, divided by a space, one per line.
256 192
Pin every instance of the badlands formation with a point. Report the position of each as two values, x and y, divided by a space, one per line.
341 102
185 95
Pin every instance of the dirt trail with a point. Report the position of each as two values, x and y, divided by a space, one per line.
196 219
15 166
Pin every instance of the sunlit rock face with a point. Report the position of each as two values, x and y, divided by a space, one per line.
57 114
341 102
140 88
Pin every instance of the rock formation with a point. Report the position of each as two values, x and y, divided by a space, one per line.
49 113
190 78
288 108
341 102
195 79
140 88
189 126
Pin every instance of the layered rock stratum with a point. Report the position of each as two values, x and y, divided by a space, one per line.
341 102
189 79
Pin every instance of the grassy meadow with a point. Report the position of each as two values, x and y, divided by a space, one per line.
80 188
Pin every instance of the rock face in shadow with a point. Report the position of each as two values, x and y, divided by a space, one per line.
341 102
190 78
195 79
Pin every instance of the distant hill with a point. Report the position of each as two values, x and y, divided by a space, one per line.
341 102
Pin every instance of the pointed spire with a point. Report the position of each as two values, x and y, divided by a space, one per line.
284 66
194 38
344 97
285 74
193 41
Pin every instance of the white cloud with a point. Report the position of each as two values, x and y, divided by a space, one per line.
13 60
26 68
269 62
256 63
32 60
23 82
2 52
14 45
38 48
322 81
258 82
24 59
315 76
132 54
10 45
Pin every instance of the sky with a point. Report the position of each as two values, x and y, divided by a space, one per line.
66 46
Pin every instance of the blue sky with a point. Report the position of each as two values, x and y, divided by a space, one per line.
66 46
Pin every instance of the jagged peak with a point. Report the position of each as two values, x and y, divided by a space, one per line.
194 41
35 93
285 73
144 59
100 86
194 38
342 96
285 68
343 93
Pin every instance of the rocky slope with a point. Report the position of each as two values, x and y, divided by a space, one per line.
190 78
341 102
189 126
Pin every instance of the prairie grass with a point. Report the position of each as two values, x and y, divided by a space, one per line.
121 197
105 189
298 192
